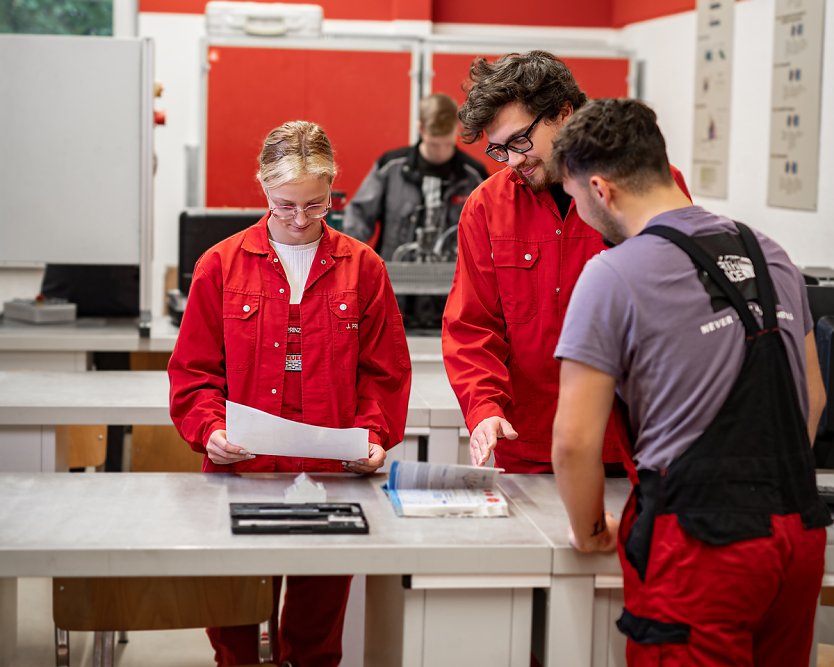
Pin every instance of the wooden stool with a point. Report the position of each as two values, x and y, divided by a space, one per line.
107 604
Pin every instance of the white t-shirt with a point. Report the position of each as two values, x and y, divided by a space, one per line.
296 260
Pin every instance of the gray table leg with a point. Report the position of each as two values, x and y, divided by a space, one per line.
570 622
31 449
444 444
447 626
8 620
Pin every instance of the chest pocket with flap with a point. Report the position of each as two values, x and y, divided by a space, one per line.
344 315
517 274
240 329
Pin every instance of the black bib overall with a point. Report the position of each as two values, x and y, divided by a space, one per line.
754 460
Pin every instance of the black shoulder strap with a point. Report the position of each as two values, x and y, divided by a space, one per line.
704 261
764 283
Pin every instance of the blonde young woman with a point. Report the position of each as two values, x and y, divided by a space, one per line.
298 320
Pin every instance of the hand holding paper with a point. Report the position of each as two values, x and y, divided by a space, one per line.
223 452
367 464
262 433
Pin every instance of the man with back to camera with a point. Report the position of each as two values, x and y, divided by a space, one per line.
416 195
521 247
704 329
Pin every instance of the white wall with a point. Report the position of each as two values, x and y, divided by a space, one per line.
177 55
667 45
177 49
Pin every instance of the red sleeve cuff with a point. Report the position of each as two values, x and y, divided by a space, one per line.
216 426
482 412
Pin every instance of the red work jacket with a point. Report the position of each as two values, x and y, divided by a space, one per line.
232 342
518 262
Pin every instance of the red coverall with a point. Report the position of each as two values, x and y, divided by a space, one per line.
518 262
233 344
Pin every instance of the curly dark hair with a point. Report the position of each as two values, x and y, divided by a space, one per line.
616 138
538 80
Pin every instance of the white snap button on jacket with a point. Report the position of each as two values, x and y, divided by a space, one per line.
324 261
246 309
558 231
281 290
275 259
277 344
528 256
342 306
274 391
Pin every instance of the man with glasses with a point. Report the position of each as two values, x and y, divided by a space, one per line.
521 247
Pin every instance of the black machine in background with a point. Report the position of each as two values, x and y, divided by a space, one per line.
824 443
97 290
421 271
821 302
199 230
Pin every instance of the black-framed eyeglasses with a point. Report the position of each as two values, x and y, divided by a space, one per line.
313 211
520 143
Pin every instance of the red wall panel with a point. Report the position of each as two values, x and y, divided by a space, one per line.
361 100
591 13
585 13
632 11
597 77
368 10
411 10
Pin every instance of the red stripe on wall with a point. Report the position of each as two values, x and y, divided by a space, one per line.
412 10
624 12
587 14
366 10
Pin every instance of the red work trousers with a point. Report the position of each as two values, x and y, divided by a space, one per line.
748 603
310 631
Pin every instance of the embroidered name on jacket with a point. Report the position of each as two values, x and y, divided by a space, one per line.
293 362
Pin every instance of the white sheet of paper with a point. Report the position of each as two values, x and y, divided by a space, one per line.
262 433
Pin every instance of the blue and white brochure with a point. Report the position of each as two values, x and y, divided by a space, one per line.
441 490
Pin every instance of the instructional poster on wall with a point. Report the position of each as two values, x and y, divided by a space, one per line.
713 79
793 176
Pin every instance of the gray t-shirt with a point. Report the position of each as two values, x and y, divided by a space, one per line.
643 314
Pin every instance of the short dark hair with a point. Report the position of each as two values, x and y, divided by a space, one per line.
538 80
617 138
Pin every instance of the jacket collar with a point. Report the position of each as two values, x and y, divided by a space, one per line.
256 240
412 171
543 196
